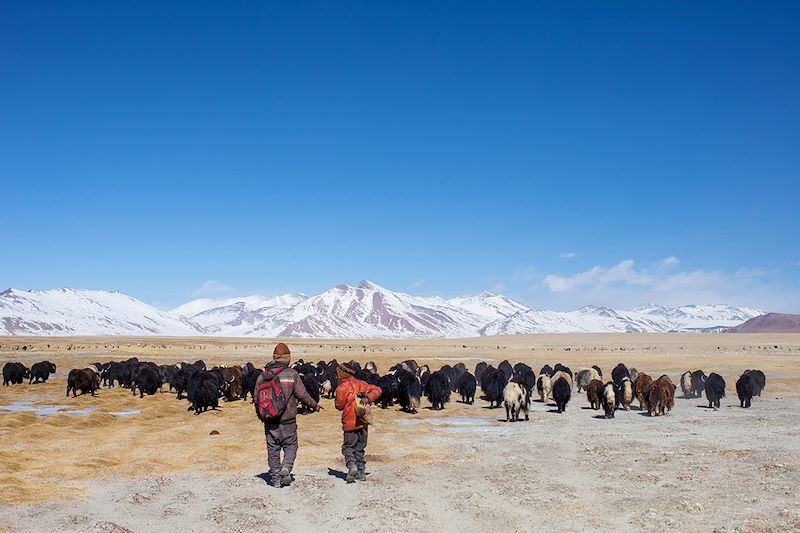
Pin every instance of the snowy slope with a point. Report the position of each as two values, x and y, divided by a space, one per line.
84 312
366 310
235 316
643 319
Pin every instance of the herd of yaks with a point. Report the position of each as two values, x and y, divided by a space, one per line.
406 383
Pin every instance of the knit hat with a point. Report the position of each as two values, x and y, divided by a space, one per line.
344 372
281 354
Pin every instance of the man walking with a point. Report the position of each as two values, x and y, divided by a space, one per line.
281 432
355 429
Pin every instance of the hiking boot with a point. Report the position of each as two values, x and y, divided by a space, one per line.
276 482
362 475
352 473
286 477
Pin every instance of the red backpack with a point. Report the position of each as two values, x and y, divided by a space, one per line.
270 401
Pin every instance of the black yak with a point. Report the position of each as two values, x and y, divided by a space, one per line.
448 372
83 380
204 390
524 375
466 387
311 383
14 373
146 378
167 374
437 389
620 371
715 389
479 369
40 372
506 369
562 391
759 380
493 384
249 376
698 383
409 391
745 389
459 369
389 385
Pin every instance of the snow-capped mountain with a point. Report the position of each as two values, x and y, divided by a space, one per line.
235 316
643 319
366 310
369 310
82 312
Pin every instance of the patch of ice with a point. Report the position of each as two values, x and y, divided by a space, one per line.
43 410
124 414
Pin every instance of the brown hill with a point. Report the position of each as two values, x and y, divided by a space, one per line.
769 323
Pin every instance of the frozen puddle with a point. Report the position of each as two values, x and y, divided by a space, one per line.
45 410
124 414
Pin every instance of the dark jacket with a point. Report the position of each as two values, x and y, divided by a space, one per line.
293 390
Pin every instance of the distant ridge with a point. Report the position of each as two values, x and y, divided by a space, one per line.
769 323
365 310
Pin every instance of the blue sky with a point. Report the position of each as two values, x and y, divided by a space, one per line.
561 153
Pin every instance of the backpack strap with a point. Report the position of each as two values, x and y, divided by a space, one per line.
274 372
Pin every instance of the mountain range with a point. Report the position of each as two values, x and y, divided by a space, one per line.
770 323
366 310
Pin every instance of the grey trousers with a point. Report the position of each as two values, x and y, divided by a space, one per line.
281 437
353 446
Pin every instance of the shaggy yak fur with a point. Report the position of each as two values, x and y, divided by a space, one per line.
715 389
515 398
584 377
562 390
608 398
466 387
662 396
544 387
643 384
593 393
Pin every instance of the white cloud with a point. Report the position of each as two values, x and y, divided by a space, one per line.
213 288
567 255
623 286
623 273
745 272
668 261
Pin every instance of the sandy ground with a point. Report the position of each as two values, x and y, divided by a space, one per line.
117 462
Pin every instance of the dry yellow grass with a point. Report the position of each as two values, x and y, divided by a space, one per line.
50 457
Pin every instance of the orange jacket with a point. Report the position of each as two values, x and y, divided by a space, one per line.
346 394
